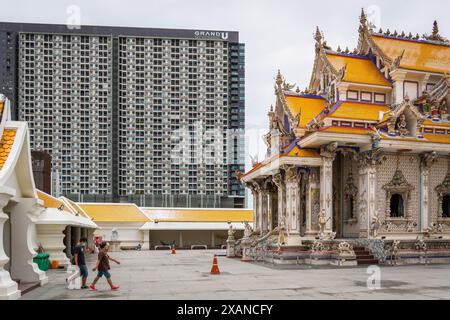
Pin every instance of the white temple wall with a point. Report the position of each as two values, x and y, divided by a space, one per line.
410 166
128 232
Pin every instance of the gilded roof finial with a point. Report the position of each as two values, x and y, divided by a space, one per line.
435 36
318 35
362 17
279 79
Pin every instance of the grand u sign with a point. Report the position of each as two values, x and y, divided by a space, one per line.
212 35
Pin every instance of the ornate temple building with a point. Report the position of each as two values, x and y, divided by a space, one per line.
361 155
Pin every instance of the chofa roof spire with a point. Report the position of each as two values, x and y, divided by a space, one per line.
435 36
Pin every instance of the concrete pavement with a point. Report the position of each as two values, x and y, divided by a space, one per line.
185 275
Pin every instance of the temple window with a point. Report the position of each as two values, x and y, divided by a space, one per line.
398 193
443 193
446 206
397 208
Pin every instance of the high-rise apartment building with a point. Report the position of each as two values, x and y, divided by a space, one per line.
154 116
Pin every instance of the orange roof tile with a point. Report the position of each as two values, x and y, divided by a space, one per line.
49 200
359 69
307 106
422 56
6 144
359 111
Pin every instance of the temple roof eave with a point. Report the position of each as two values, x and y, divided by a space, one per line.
318 138
273 167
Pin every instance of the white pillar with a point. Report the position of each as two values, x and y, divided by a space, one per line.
326 191
51 237
367 190
68 240
398 77
180 235
213 240
23 216
426 161
8 287
145 239
77 235
312 199
328 153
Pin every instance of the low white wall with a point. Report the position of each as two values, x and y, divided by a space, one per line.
128 233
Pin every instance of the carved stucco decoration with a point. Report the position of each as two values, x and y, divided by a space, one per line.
329 150
398 185
397 122
443 190
351 193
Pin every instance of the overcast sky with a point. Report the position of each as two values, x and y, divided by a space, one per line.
277 34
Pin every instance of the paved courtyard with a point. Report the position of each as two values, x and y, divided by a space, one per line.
185 275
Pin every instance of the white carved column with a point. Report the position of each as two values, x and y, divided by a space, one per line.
77 235
313 185
328 153
145 239
292 206
24 215
51 237
368 162
426 161
398 78
281 185
68 241
8 287
263 212
257 207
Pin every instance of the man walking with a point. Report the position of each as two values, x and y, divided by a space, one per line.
80 260
102 266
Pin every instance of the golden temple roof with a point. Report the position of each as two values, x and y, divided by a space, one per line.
418 55
293 150
6 144
358 111
296 151
308 106
198 215
359 69
49 200
114 212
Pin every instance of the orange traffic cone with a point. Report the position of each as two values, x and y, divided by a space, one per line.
173 250
215 266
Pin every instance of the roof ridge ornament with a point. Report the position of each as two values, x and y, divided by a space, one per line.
435 36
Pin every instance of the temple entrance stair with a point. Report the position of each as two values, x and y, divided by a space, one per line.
363 256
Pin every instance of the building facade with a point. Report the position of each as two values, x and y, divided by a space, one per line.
362 155
152 116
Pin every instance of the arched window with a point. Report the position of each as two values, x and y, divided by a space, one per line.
446 206
397 206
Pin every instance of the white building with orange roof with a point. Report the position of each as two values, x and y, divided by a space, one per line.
28 217
362 156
